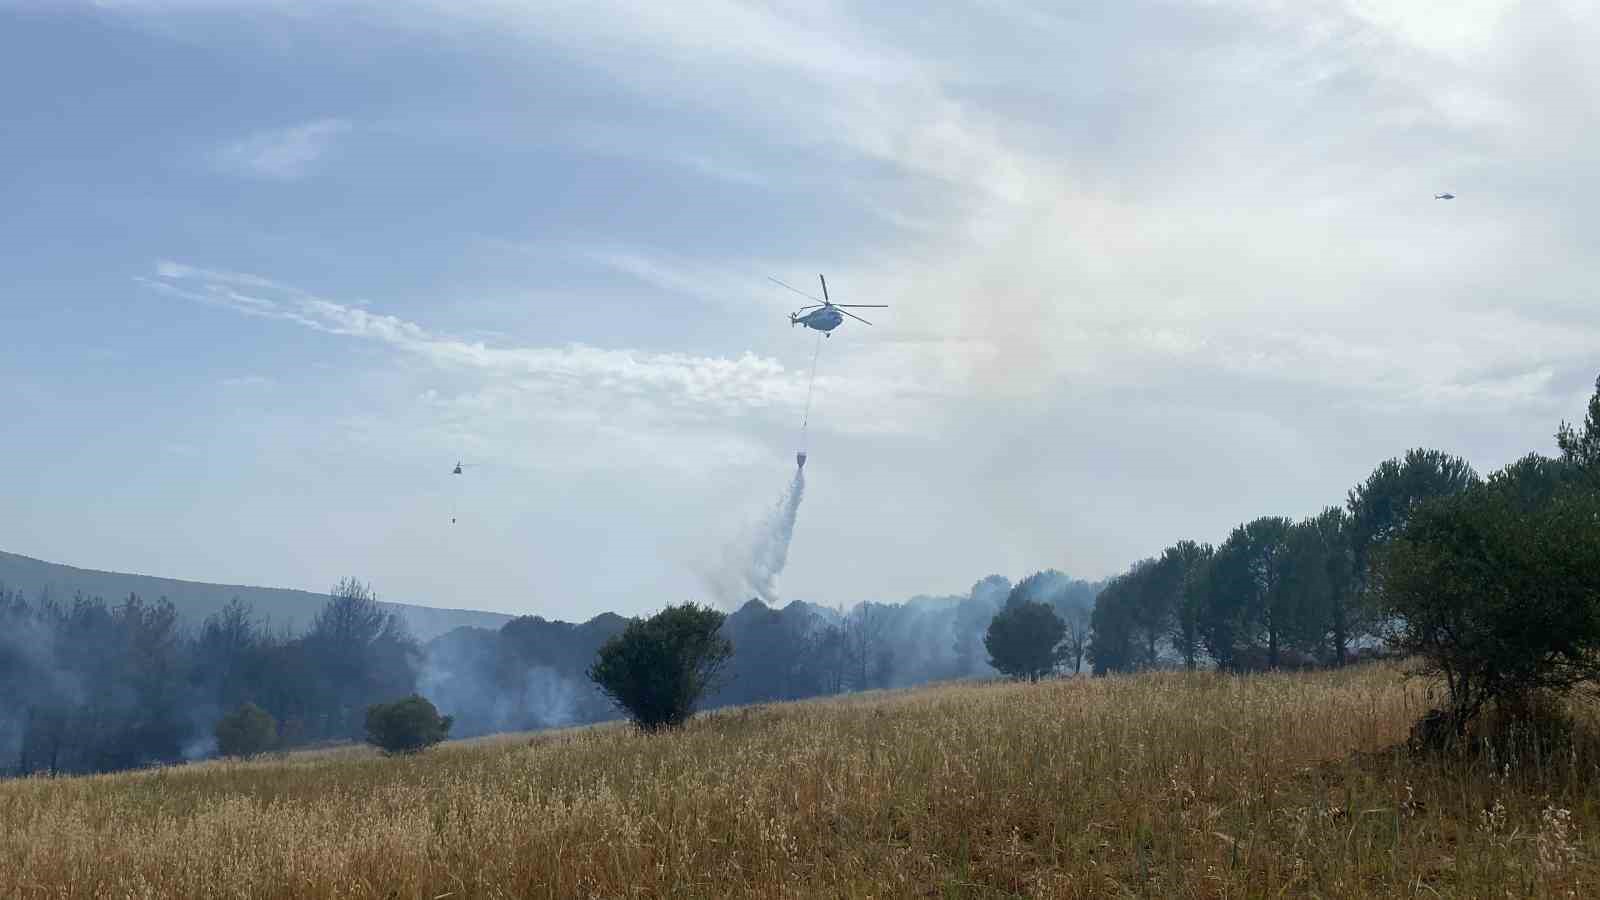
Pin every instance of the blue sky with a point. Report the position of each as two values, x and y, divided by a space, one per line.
1154 269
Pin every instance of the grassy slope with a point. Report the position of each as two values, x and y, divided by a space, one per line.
1160 785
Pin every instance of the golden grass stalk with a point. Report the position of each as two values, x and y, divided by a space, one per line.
1166 785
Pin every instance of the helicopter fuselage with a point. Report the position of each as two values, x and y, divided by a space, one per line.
825 319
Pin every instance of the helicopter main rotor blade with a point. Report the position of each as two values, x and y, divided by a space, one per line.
851 315
792 288
812 306
824 286
861 305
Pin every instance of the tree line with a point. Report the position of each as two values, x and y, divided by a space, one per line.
1276 592
92 687
1494 582
534 672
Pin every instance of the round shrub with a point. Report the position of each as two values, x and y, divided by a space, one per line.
406 726
247 731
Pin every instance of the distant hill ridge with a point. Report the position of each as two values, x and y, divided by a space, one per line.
195 600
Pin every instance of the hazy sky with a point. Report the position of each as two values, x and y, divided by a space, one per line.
270 268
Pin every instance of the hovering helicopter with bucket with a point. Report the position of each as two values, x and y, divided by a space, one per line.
825 315
459 487
455 499
822 316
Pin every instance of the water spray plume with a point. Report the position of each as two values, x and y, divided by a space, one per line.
770 551
752 563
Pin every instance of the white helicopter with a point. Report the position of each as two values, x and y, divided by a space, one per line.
825 315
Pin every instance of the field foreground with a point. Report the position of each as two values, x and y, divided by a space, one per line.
1160 785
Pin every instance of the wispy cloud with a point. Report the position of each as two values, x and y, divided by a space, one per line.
575 385
727 384
281 154
690 152
715 282
1111 217
247 381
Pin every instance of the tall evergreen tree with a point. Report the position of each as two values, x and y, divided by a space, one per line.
1581 449
1380 505
1024 640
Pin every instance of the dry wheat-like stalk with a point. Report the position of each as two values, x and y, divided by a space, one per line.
1172 784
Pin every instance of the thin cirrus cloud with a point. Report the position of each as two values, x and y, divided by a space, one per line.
586 374
247 381
281 154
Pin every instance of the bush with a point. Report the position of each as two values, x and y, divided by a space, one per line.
247 731
1024 640
657 669
1499 595
1530 727
406 726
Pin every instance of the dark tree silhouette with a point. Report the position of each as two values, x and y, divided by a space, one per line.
410 725
658 668
246 732
1024 640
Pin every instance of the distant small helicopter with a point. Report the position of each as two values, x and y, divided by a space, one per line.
1446 196
825 315
456 500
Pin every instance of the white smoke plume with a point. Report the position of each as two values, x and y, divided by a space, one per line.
752 563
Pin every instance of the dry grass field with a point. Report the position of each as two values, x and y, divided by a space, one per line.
1166 785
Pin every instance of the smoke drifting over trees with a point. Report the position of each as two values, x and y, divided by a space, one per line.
92 686
530 673
526 675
